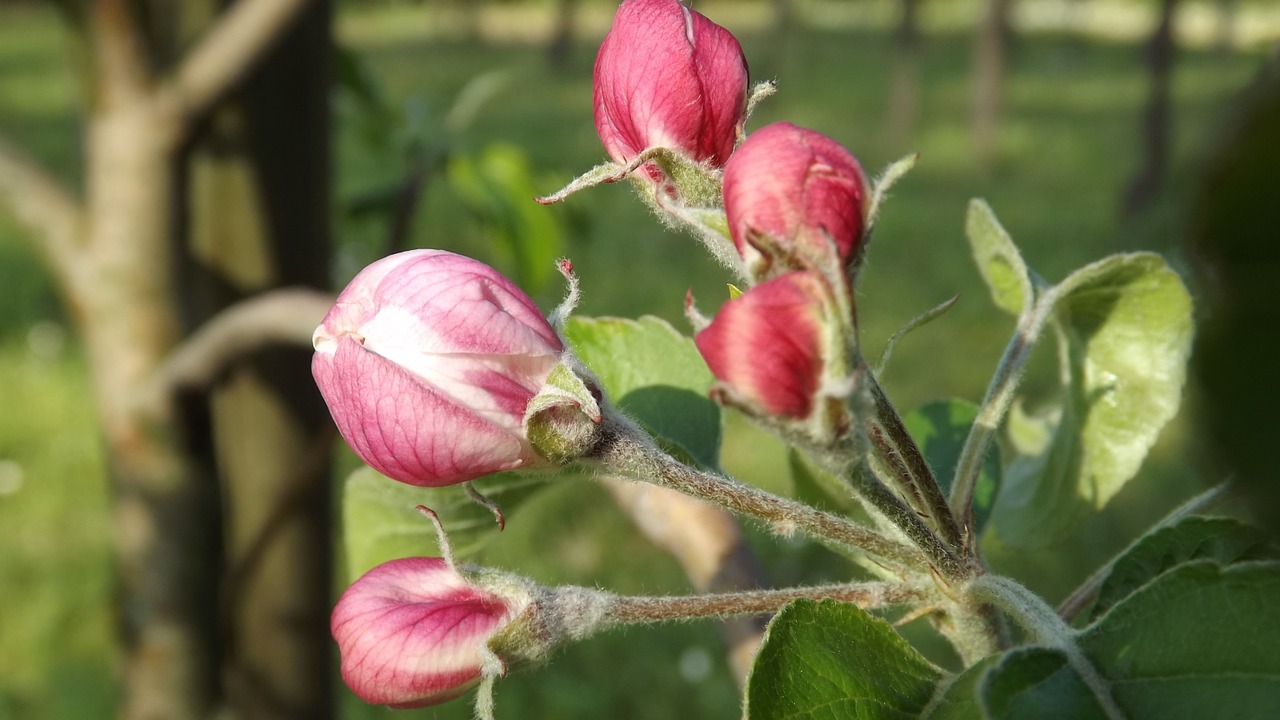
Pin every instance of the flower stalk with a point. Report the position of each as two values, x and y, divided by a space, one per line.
625 449
995 405
647 609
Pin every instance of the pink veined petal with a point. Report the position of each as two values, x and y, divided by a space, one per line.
407 429
411 632
796 186
766 344
668 77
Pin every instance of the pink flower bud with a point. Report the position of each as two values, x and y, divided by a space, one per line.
767 345
666 76
427 362
793 192
413 632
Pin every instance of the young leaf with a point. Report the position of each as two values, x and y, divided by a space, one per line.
1195 538
1037 682
998 259
940 428
1126 322
655 375
1197 642
381 522
833 660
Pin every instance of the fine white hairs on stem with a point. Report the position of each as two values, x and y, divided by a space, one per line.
561 314
488 503
446 550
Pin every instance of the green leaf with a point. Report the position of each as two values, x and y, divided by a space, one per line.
940 429
1194 538
959 694
381 522
998 259
1199 641
496 186
1125 333
832 661
655 375
1037 682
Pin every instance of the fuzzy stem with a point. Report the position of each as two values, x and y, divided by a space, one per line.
626 450
1044 627
640 609
1088 590
995 406
941 559
895 441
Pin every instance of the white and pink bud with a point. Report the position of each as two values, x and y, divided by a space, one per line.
428 361
414 632
417 631
668 77
769 347
794 198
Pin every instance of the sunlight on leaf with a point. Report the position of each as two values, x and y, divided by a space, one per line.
656 376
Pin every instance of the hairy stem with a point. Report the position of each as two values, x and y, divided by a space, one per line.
626 609
625 449
995 406
941 558
1044 627
893 440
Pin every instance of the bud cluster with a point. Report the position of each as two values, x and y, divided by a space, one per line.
672 86
438 370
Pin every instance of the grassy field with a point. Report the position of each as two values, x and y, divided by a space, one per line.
1069 144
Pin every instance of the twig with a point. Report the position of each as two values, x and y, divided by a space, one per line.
287 316
227 52
708 543
625 449
45 206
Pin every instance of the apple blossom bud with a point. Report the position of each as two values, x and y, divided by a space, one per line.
427 362
666 76
414 632
793 198
767 345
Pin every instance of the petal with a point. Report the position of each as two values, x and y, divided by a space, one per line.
411 632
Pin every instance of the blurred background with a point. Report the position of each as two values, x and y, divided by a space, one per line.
1090 126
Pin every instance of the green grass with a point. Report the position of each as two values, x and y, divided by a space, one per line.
1068 146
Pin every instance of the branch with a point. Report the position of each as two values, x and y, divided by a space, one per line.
709 546
279 317
45 206
240 37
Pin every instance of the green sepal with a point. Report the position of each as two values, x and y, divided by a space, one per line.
562 422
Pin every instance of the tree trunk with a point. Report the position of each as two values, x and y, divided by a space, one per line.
990 58
1156 121
117 257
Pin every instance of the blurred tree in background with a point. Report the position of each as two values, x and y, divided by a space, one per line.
206 179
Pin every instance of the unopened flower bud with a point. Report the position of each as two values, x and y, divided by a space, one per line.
794 198
427 362
666 76
768 345
415 632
